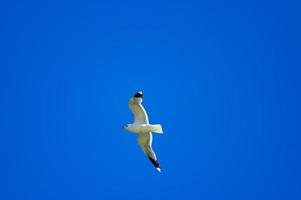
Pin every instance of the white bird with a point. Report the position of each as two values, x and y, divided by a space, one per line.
143 128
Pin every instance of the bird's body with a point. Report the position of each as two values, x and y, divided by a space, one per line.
142 127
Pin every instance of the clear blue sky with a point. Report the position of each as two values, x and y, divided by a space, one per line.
223 79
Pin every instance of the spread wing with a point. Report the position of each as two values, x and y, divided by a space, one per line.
145 142
138 110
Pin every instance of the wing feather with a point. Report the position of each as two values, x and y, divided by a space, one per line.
138 110
145 141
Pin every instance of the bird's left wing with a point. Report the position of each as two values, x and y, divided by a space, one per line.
145 142
138 110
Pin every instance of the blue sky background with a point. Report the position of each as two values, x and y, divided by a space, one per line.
222 77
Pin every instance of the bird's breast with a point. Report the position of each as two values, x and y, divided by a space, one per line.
139 128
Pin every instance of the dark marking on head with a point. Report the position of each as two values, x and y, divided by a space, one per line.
154 162
138 95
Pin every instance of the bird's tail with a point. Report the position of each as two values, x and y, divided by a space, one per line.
156 128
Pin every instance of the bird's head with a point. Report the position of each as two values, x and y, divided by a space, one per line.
126 127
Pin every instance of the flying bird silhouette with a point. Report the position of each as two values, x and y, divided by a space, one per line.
142 127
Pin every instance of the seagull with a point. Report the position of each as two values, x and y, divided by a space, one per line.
142 127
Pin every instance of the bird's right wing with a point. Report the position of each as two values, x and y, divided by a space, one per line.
138 110
145 141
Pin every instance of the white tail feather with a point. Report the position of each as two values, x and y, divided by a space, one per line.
156 128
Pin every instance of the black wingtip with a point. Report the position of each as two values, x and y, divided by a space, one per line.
138 94
154 162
